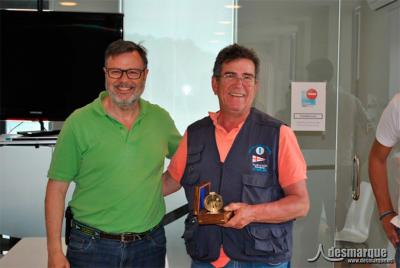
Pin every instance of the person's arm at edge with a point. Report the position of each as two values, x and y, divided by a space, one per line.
54 213
294 205
377 168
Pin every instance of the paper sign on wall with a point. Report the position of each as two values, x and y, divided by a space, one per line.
308 106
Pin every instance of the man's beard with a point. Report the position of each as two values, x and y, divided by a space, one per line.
124 103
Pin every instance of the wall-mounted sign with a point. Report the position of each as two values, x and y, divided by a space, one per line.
308 106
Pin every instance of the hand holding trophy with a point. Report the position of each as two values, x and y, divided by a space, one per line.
208 206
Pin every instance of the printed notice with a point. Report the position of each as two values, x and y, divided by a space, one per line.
308 106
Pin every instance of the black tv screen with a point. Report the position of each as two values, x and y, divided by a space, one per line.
51 62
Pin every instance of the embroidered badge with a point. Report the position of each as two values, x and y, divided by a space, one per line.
260 154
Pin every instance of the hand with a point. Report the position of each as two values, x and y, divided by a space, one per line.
390 230
243 215
57 260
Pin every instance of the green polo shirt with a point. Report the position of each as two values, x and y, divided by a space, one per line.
117 171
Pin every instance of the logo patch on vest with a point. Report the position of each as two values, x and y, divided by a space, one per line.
259 155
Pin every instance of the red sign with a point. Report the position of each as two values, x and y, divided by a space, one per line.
312 94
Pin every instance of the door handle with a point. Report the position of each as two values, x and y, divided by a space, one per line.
356 178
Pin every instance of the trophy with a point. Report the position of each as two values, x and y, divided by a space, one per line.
208 206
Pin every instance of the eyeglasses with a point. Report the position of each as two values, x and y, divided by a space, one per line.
117 73
247 79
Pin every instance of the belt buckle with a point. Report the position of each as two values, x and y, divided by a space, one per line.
126 237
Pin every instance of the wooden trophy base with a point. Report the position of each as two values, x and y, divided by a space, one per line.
204 217
202 214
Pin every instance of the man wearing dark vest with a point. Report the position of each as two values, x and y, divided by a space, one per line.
253 161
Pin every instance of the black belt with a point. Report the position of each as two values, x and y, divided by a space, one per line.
124 237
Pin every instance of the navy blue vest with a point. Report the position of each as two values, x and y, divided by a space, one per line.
249 174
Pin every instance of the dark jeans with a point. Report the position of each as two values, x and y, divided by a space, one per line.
86 251
237 264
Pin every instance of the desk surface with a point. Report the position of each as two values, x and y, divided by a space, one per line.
28 252
30 141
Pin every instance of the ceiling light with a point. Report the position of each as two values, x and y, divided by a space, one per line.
68 4
186 89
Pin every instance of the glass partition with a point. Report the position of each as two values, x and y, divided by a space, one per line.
369 77
298 41
305 41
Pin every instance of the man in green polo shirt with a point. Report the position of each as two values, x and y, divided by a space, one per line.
113 149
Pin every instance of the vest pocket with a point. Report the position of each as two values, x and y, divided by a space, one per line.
191 226
194 154
259 189
191 176
202 242
266 240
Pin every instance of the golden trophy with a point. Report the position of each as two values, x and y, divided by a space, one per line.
208 206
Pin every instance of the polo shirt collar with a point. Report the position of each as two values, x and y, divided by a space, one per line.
98 105
214 118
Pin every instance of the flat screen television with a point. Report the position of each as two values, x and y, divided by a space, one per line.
51 62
